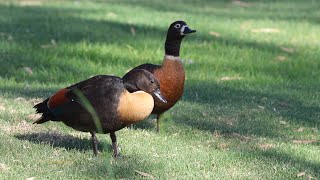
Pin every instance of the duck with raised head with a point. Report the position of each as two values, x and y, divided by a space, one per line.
171 73
102 104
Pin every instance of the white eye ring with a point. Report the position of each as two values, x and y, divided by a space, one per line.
177 26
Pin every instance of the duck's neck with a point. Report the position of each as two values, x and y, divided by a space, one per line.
172 46
134 107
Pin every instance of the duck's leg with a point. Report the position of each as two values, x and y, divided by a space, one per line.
114 144
94 142
158 122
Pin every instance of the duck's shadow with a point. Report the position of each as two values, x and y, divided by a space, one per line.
62 141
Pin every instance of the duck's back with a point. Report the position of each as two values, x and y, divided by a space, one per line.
102 93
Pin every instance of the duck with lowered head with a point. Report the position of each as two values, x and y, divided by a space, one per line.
102 104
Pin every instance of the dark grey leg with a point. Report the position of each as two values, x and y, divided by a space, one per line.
94 142
158 122
114 144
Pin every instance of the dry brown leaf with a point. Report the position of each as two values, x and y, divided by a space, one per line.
28 70
300 129
265 30
3 167
288 50
216 134
281 58
283 122
30 3
304 141
2 107
223 146
283 104
33 116
242 137
245 25
187 61
31 178
10 38
133 31
144 174
112 15
241 3
227 78
52 44
204 114
215 34
301 174
266 146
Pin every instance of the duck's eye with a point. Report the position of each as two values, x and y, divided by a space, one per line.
177 26
152 81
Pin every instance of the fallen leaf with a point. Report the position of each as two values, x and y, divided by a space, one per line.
265 30
204 114
283 104
223 146
144 174
10 38
52 44
112 15
281 58
3 167
31 178
300 129
216 134
133 31
187 61
215 34
304 141
30 3
266 146
19 99
2 107
33 116
241 3
227 78
28 70
283 122
242 137
301 174
288 50
245 25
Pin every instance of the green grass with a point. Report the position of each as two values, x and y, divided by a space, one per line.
261 124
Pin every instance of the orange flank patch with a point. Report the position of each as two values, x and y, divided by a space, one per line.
58 98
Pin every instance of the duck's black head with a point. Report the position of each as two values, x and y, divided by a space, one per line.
178 29
142 80
176 32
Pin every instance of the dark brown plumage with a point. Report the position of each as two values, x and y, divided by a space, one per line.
102 104
171 73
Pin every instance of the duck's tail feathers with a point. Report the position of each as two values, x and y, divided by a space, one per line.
46 114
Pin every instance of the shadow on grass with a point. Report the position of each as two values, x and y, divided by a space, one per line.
301 164
249 112
59 140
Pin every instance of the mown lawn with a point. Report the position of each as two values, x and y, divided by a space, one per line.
251 108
